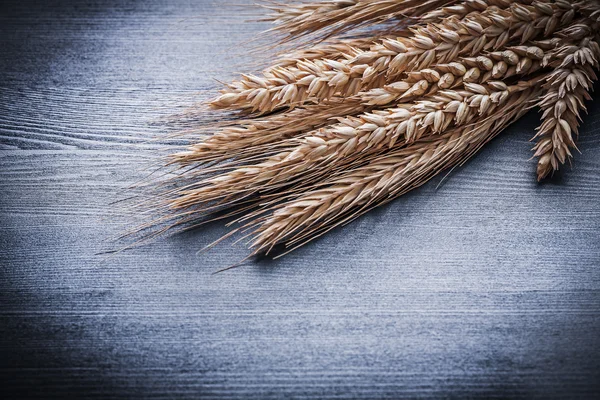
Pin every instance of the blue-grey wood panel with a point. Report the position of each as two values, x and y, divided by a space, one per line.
486 286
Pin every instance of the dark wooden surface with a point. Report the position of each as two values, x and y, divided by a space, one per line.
487 286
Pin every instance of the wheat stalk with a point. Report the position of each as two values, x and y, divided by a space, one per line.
333 130
566 90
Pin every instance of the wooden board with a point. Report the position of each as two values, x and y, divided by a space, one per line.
483 285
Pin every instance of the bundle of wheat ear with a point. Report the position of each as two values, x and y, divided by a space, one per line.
389 94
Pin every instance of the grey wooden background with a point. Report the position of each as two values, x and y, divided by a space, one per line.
484 287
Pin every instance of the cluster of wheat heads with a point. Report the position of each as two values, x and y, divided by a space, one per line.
378 97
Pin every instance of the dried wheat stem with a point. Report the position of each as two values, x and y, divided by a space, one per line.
316 79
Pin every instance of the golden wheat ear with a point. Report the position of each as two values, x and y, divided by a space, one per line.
566 90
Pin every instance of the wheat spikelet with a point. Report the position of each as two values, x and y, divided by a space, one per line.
316 79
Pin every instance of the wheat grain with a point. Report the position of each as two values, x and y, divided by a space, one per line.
464 8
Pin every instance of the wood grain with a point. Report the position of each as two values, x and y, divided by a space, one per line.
481 285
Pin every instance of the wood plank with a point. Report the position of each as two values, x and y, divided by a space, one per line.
481 285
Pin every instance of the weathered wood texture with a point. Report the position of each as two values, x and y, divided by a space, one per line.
487 286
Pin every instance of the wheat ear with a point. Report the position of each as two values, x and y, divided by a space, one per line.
434 43
567 88
353 193
249 137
